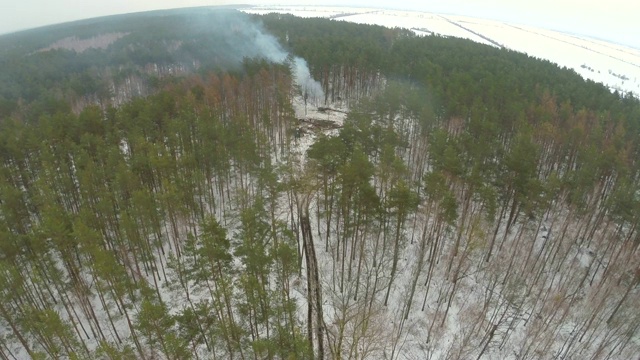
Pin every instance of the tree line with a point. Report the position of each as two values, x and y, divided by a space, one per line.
486 175
150 229
475 203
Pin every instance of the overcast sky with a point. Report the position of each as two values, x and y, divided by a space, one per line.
613 20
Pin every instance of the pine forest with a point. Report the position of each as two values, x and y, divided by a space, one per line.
173 189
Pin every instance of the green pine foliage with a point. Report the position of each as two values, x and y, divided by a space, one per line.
178 225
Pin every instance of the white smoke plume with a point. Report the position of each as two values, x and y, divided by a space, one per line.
310 88
259 43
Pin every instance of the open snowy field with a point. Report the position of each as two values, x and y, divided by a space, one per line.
616 66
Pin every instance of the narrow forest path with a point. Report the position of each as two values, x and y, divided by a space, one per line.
313 121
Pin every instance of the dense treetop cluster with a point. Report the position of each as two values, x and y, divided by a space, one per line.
152 203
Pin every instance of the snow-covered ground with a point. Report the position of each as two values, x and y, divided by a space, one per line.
478 305
616 66
597 60
475 306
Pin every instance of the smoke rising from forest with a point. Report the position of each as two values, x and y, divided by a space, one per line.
310 87
252 40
